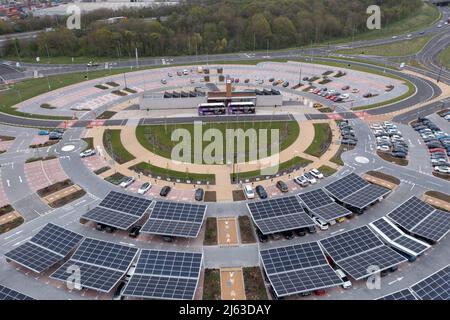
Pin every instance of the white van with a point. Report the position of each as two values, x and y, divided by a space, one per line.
323 225
347 284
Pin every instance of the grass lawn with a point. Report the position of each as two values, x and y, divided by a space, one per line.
211 284
327 171
322 140
255 288
67 199
90 143
114 146
337 157
106 115
400 48
154 171
444 57
157 138
54 188
115 178
246 230
296 162
210 232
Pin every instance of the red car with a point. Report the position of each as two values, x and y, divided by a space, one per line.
438 150
320 292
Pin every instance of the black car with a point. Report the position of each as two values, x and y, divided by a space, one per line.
261 192
300 232
349 142
134 232
167 239
261 237
399 155
110 229
286 84
271 79
288 235
164 191
55 135
199 194
282 186
118 293
100 227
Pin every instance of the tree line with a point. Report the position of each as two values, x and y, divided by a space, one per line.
206 26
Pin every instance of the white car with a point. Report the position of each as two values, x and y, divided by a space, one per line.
248 191
409 36
376 126
344 96
310 178
347 283
383 148
87 153
394 37
355 90
447 117
316 174
302 181
126 182
439 26
442 169
144 188
163 81
185 72
323 225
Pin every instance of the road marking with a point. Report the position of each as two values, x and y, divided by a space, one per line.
12 235
20 179
7 182
396 280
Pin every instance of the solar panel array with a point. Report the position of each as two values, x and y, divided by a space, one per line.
280 214
298 268
397 238
119 210
165 275
321 205
404 294
355 191
10 294
434 287
102 264
49 246
358 249
175 219
421 219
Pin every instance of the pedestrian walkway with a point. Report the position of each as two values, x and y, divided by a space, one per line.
232 284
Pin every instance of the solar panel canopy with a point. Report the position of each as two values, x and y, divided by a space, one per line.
356 251
404 294
280 214
421 219
355 191
321 205
176 219
10 294
434 287
165 275
102 264
49 246
298 268
119 210
395 237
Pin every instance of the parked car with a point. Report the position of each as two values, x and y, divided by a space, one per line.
43 132
118 293
144 187
310 178
300 232
55 135
261 237
345 88
261 192
199 194
164 191
87 153
135 231
163 81
248 192
347 284
316 174
282 186
442 169
288 235
127 181
323 225
302 181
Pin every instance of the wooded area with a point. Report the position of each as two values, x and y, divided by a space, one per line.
204 26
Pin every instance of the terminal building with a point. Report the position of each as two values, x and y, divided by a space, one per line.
211 94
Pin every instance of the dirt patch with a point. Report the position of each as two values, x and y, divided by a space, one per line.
115 178
40 159
210 232
67 199
384 176
232 284
6 209
255 288
11 225
227 231
107 115
54 188
238 195
444 176
43 145
438 195
210 196
246 230
101 170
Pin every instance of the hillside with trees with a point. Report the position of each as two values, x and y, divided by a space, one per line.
207 26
